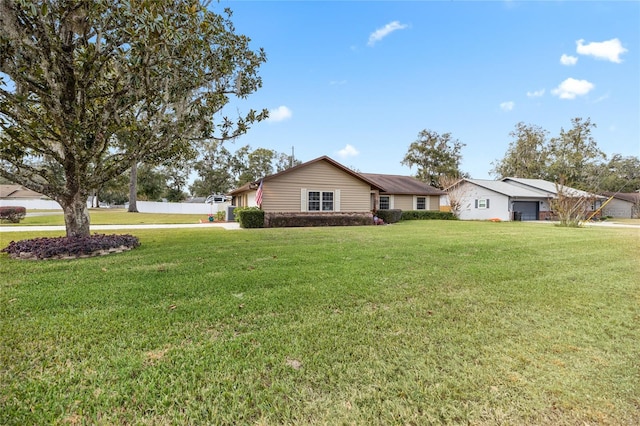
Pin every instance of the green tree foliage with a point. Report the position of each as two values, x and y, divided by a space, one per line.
572 158
114 191
219 170
527 154
92 86
259 163
286 161
214 168
176 176
572 153
435 156
620 173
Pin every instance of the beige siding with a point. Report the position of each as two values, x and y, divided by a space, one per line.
434 202
282 194
406 202
403 202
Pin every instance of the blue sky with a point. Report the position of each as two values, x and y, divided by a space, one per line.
358 81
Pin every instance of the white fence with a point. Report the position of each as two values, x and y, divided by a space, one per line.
143 206
181 208
32 204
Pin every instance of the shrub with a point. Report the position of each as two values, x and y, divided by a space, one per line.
427 215
249 217
64 247
13 214
284 220
390 216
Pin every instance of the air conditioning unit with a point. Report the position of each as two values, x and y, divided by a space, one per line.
230 216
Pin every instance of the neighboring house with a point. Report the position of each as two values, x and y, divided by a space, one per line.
511 198
325 187
18 195
622 205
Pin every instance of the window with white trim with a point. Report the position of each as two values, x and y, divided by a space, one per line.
320 201
327 201
482 203
385 202
421 203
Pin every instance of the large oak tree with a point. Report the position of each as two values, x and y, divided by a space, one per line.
87 87
527 154
435 156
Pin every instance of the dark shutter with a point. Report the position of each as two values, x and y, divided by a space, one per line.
487 203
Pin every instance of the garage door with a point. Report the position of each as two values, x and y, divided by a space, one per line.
528 209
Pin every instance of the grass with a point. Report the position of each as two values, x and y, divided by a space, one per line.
112 217
416 323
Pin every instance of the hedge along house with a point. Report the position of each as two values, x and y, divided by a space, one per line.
511 198
324 192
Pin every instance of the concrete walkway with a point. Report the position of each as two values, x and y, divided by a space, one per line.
225 225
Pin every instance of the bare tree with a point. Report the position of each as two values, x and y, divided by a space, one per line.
455 192
570 206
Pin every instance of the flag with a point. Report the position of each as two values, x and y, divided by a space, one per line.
259 195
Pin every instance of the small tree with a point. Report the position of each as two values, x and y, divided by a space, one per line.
571 207
455 193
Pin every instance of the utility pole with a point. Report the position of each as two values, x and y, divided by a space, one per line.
291 158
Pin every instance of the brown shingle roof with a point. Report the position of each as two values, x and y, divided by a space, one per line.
17 191
631 197
402 185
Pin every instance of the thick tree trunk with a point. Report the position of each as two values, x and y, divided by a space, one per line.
133 188
76 216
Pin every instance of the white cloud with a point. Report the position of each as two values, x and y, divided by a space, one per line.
570 88
568 60
279 114
536 93
348 151
381 33
609 50
507 106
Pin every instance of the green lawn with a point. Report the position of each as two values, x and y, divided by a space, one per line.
111 217
415 323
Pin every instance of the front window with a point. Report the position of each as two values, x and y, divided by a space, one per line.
482 203
318 200
421 203
385 202
327 201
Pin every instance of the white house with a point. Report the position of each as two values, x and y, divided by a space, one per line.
510 198
18 195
